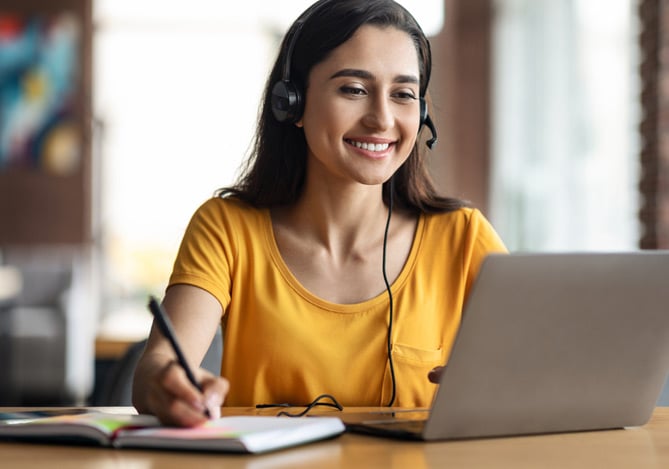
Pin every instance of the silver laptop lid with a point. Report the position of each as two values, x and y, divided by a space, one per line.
557 342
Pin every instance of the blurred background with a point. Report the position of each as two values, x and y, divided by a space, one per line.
118 118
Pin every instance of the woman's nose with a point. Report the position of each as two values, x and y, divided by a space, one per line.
379 115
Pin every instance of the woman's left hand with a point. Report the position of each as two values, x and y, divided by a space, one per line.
435 374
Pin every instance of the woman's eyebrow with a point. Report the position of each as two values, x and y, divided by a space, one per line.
364 74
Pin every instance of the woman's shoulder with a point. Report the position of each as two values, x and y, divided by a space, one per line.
466 223
460 217
228 207
219 215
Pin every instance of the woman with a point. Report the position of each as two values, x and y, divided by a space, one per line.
319 289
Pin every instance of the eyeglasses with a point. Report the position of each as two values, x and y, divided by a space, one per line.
307 407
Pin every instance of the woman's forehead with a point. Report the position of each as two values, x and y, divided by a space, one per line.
379 49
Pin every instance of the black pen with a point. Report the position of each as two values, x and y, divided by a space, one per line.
166 328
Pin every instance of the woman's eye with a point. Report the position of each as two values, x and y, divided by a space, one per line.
405 96
352 90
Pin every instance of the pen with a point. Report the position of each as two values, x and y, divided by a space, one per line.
166 328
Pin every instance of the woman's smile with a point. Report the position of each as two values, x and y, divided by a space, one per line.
371 148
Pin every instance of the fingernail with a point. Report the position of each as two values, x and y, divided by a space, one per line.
213 402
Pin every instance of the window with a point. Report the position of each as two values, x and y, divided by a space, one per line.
565 144
176 91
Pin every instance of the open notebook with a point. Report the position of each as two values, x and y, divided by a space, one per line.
550 343
244 434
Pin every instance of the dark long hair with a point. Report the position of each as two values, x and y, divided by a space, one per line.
274 174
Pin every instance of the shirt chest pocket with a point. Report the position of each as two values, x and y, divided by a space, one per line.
411 366
417 356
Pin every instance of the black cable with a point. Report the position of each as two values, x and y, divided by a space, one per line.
390 295
307 407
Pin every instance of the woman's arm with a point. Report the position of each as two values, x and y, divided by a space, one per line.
160 385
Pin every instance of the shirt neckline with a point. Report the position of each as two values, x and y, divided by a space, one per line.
297 286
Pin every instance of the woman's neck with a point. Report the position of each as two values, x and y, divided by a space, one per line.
339 218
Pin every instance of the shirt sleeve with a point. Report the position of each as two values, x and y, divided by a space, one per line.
481 240
207 252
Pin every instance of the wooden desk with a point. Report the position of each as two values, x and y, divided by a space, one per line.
107 348
643 447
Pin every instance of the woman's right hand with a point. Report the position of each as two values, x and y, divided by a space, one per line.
160 385
169 395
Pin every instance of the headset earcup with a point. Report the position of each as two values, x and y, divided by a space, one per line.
423 112
286 102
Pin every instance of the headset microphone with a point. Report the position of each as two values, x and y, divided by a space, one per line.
425 119
430 125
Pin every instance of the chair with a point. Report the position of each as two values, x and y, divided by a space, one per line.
34 324
117 386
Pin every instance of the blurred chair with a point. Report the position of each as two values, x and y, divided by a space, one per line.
117 385
11 283
33 338
48 327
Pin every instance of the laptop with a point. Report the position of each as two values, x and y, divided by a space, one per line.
549 342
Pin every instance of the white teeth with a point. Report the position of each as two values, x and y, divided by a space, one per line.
370 146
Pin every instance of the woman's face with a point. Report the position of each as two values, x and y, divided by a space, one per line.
361 115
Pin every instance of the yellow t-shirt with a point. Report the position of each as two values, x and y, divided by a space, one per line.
284 344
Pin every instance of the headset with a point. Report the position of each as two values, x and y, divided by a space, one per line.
288 101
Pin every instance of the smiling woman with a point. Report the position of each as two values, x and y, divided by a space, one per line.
333 247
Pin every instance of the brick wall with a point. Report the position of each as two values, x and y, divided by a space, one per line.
662 195
654 127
